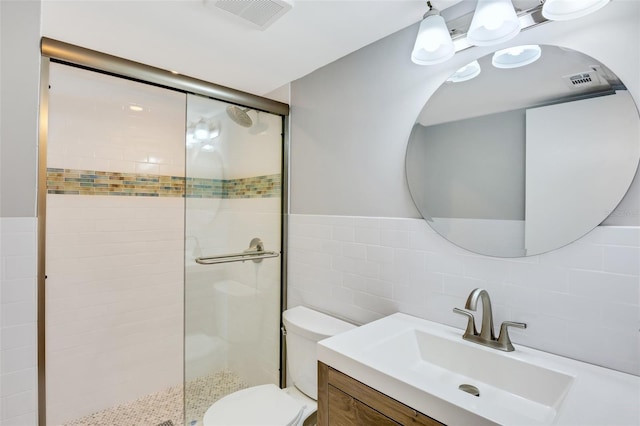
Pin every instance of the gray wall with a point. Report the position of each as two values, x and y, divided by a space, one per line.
19 85
351 119
472 168
350 122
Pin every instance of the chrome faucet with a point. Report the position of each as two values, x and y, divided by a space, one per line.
486 336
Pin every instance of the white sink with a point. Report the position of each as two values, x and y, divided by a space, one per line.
423 364
523 388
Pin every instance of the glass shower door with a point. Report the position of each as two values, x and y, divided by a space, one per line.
114 245
233 199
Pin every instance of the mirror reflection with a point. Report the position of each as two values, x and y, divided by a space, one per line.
523 151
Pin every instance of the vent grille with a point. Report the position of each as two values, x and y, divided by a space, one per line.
258 13
580 79
583 79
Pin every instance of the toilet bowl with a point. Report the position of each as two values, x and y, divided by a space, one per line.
268 405
264 405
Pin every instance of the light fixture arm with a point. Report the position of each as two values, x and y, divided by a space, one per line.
431 12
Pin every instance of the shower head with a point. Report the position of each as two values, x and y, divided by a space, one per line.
239 116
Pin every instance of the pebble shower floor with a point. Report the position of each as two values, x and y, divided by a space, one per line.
166 406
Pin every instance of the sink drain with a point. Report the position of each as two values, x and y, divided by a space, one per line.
469 389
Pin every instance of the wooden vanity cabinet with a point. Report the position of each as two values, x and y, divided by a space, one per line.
344 401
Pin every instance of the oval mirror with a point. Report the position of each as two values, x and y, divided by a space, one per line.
518 161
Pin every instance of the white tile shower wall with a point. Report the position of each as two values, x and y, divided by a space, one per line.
91 125
363 268
114 300
237 153
253 154
18 363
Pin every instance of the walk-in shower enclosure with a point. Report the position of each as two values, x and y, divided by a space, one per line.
162 206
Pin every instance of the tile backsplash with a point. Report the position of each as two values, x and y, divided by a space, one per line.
114 301
93 182
18 369
581 301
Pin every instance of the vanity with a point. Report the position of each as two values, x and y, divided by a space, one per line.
505 162
501 171
410 371
342 400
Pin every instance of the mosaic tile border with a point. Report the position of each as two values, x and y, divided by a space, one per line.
93 182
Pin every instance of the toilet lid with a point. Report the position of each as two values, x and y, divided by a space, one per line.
264 405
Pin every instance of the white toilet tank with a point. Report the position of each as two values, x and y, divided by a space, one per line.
306 327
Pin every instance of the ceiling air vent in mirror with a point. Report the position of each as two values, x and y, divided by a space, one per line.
259 13
583 79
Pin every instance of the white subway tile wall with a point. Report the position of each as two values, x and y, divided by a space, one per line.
91 125
114 296
18 363
365 268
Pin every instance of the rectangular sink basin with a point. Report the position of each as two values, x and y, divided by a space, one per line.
424 364
524 389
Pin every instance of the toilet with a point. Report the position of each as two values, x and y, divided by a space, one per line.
268 405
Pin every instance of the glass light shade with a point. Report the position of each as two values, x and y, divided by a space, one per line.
494 22
563 10
191 140
433 44
201 131
214 132
515 57
469 71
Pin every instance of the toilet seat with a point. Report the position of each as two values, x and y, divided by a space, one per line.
264 405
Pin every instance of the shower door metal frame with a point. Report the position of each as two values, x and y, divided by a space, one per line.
80 57
70 54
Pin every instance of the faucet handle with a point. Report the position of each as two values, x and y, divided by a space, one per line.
503 339
471 323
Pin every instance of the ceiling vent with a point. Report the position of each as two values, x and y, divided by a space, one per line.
583 79
259 14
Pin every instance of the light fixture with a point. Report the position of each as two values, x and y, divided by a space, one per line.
563 10
466 73
517 56
201 131
488 22
191 140
135 108
494 22
433 44
214 131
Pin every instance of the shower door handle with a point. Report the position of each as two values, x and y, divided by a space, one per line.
255 252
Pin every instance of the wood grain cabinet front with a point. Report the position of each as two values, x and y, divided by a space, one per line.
344 401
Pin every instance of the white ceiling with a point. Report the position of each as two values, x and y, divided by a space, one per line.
542 82
195 39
